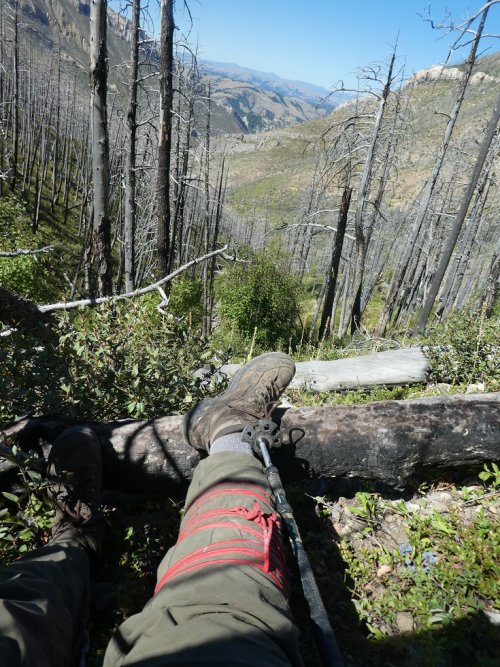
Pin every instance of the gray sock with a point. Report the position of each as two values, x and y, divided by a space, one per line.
230 443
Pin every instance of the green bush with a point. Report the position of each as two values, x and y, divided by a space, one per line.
27 275
111 362
186 299
27 514
464 349
260 300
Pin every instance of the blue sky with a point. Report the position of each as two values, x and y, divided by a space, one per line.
322 41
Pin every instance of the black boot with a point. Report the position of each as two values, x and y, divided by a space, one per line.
74 471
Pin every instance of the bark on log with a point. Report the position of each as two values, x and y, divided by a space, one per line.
396 443
16 311
393 367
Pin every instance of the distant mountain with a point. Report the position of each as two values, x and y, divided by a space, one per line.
245 100
263 100
266 81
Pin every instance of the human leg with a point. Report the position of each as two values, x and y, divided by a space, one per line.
45 595
221 597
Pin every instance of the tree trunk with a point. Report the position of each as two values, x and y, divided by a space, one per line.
165 140
333 271
100 146
428 189
130 187
492 283
460 217
363 235
394 443
15 115
17 312
456 274
207 315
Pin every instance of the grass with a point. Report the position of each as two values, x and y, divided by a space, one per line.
417 576
361 396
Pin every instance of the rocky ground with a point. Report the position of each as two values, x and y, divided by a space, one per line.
417 576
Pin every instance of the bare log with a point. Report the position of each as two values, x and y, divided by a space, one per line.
392 367
395 443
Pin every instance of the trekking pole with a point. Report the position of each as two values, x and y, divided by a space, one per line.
262 435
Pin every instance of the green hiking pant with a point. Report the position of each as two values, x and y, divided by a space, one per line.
221 597
221 592
44 606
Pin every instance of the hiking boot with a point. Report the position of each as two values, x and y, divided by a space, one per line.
252 389
74 471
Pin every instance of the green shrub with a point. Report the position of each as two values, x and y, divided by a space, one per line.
111 362
27 514
26 275
186 299
260 301
464 349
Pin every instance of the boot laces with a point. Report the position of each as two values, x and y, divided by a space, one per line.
268 405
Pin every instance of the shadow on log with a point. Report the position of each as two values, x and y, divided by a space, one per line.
394 443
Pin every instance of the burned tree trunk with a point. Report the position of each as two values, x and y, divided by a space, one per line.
459 219
165 141
395 443
363 232
130 181
18 312
100 146
399 283
333 271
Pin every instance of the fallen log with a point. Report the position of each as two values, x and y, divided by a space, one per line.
392 367
396 443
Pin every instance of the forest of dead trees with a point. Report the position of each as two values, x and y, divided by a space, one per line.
139 176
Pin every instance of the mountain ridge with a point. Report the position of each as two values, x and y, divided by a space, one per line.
271 103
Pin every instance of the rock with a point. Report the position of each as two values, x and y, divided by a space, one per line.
336 512
412 507
493 616
383 570
341 530
482 77
442 495
475 388
440 507
404 621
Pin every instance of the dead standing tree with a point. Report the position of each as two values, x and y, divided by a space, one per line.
167 28
400 285
333 269
456 273
460 217
100 147
130 180
363 232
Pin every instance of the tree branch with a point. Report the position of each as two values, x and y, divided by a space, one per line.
16 253
129 295
326 228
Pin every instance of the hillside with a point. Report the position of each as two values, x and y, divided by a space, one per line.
289 177
244 100
271 169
